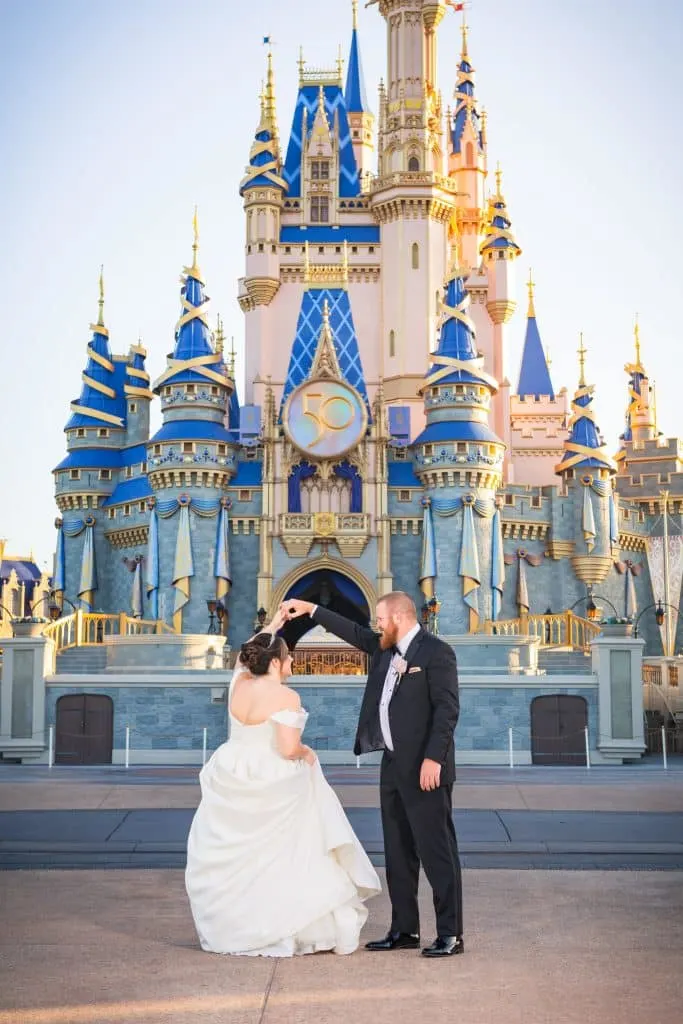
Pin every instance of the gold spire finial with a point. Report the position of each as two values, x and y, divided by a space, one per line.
354 7
195 243
499 179
100 302
582 362
340 64
531 284
269 104
231 367
326 315
636 334
464 29
220 337
302 65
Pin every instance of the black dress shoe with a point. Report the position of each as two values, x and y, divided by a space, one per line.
394 940
445 945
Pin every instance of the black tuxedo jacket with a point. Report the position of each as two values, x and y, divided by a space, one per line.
425 705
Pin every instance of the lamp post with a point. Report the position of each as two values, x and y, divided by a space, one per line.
434 607
211 605
221 613
54 609
261 616
660 617
592 610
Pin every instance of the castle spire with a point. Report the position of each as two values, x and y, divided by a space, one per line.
264 157
466 109
101 402
195 242
534 373
584 449
499 228
641 418
355 96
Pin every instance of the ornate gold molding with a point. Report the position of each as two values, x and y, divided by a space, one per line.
558 549
129 537
501 310
591 569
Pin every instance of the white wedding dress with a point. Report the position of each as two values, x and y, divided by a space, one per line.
273 865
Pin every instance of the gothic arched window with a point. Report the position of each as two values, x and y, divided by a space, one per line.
413 165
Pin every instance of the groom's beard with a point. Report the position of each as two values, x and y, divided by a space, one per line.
388 637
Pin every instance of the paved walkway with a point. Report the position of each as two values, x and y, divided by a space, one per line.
524 818
118 947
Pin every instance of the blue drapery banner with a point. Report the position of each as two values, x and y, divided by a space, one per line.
484 507
137 598
153 564
73 527
60 562
88 584
497 565
348 472
221 567
428 557
183 569
206 508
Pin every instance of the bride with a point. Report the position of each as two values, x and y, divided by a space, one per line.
273 865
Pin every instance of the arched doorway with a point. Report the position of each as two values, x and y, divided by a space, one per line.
85 729
558 724
330 589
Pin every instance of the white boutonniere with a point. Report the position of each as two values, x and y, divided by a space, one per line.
400 666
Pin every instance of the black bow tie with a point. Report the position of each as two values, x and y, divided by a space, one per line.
396 650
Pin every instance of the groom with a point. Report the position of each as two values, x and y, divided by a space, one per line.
410 710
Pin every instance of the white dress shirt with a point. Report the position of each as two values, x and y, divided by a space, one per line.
390 683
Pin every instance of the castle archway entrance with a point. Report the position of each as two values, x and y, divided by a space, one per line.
331 589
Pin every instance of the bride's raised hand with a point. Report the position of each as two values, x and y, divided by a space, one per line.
277 622
293 608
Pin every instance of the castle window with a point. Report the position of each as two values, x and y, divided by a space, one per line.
75 474
128 472
80 432
400 454
143 467
244 495
337 248
429 449
111 513
320 210
321 250
536 501
320 170
103 432
288 250
459 389
641 516
214 390
392 344
251 454
664 478
492 449
157 449
354 249
510 499
190 389
260 247
132 407
415 256
626 513
404 495
141 506
469 154
371 248
461 447
569 474
188 447
413 165
435 392
105 474
221 449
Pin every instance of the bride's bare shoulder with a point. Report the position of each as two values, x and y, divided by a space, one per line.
289 699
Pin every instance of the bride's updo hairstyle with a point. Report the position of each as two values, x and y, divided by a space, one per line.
257 654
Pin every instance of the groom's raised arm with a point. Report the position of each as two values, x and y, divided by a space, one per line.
358 636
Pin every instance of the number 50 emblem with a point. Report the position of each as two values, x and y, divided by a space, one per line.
325 418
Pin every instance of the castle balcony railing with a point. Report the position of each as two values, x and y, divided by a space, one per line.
350 531
564 629
329 661
82 629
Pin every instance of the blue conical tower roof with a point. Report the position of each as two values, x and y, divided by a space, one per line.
534 374
454 412
101 402
466 104
584 449
355 96
499 228
264 157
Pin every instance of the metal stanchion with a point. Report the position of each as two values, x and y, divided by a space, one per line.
204 744
664 752
588 751
357 762
127 756
510 749
50 747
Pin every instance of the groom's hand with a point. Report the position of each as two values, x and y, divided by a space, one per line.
294 608
430 774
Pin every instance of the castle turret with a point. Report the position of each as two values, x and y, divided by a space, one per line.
467 159
538 416
262 190
587 465
459 460
641 414
361 120
192 458
85 479
411 199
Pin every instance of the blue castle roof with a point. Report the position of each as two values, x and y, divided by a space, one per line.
102 401
534 375
308 330
584 448
466 105
355 96
335 107
456 339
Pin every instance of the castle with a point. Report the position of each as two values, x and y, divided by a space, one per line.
378 443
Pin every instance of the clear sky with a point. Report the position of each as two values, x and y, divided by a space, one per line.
116 118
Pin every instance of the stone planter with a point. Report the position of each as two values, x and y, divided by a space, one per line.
28 628
616 628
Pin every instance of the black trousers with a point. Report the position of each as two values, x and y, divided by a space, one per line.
418 829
